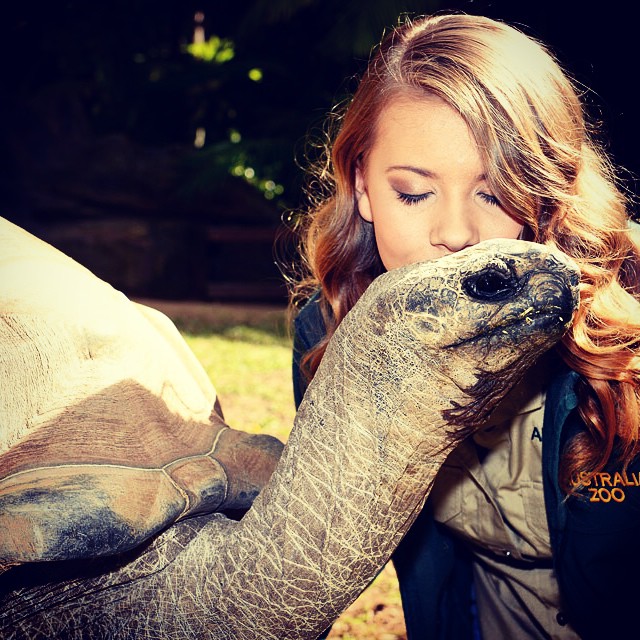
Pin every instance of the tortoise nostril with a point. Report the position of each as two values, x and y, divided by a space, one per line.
490 284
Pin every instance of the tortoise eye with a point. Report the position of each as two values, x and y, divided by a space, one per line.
490 285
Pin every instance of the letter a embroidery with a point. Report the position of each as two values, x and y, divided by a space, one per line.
536 435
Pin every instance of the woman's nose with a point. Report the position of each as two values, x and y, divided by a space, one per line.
454 227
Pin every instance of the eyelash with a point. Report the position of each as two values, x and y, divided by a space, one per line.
411 199
489 199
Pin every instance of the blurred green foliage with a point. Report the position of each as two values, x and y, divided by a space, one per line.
252 94
244 83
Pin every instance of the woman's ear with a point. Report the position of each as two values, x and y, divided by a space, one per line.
362 197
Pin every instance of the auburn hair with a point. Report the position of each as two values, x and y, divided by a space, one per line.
547 170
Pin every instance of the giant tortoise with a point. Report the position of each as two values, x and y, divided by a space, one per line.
419 363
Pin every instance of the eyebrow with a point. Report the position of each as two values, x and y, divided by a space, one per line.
425 172
405 167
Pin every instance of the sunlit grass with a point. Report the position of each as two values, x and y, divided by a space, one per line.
251 371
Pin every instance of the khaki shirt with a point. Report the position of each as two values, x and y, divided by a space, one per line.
490 493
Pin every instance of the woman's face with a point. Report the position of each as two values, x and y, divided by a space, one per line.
423 185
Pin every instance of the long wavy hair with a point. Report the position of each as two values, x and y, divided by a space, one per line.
544 166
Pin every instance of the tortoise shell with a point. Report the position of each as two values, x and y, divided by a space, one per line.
110 429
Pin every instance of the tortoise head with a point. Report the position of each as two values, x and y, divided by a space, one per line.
470 324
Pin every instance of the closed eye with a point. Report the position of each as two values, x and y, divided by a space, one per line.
416 198
412 198
489 199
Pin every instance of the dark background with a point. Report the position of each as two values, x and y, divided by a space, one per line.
101 105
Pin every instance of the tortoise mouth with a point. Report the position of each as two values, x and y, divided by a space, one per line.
538 321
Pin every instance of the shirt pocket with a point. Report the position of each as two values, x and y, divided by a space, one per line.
535 514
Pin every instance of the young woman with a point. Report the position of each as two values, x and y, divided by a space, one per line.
464 129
